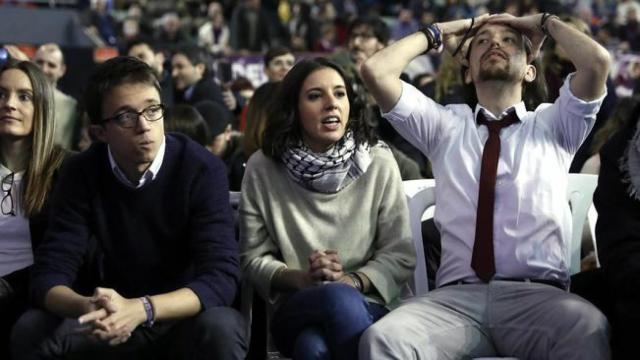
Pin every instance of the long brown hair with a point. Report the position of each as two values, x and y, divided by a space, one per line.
44 157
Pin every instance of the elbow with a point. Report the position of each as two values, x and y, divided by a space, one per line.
369 72
601 63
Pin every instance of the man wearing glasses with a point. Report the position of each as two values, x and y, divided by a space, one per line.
167 259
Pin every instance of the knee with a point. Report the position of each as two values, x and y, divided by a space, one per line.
372 341
311 344
585 319
341 297
220 322
33 327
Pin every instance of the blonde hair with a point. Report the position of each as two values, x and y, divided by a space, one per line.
45 157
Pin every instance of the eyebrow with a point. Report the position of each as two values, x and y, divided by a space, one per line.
509 29
23 90
125 108
320 88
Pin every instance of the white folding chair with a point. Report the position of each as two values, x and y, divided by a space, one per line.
580 190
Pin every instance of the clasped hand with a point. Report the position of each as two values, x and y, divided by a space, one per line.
325 266
111 317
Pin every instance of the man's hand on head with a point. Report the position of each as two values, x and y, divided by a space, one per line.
453 33
528 25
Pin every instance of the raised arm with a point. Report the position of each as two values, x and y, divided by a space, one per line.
591 60
381 72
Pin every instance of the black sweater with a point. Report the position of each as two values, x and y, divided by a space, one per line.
174 232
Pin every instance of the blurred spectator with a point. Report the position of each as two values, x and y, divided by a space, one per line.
185 119
192 78
302 28
630 30
144 51
249 27
50 60
327 40
623 8
214 34
101 23
366 35
405 24
277 63
170 35
221 142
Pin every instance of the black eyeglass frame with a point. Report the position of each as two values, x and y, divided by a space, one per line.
8 196
118 119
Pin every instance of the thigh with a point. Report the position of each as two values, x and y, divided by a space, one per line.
537 321
446 323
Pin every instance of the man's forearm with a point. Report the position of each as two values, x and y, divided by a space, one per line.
175 305
591 60
381 72
63 301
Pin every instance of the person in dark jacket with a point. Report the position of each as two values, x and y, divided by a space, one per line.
158 208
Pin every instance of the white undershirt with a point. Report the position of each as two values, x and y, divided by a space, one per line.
15 237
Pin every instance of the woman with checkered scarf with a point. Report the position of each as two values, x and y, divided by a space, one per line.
323 220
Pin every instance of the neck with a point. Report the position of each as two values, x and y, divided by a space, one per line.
496 96
14 153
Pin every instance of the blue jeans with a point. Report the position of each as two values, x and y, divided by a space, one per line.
323 322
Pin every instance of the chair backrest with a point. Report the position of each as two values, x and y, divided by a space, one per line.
420 196
580 190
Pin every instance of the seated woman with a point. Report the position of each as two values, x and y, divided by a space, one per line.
28 161
323 220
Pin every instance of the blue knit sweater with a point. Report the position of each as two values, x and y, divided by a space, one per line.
174 232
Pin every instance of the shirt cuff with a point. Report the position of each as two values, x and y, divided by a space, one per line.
575 105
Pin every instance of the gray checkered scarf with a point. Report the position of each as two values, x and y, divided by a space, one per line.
327 172
630 165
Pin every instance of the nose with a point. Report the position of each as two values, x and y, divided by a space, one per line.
143 125
332 102
9 102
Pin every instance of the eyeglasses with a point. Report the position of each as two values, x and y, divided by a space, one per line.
7 199
129 119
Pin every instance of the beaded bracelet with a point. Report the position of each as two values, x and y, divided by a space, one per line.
149 310
543 21
434 37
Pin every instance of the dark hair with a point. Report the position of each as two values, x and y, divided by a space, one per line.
257 115
626 111
379 27
283 128
274 52
196 56
185 119
114 72
534 93
140 41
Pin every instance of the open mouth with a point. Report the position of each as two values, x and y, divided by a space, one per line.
331 122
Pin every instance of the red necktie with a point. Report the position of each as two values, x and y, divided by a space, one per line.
482 260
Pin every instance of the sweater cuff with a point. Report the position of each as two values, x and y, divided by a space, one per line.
382 281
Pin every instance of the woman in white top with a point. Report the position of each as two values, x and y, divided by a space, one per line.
28 161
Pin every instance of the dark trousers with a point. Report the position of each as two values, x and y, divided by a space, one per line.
615 290
13 300
323 322
217 333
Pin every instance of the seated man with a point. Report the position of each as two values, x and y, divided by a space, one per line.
158 207
502 280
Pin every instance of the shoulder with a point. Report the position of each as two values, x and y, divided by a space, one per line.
189 154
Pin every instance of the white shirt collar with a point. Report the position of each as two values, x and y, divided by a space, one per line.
520 109
149 174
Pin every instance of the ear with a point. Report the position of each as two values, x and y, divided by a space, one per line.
200 69
99 132
63 69
530 73
227 132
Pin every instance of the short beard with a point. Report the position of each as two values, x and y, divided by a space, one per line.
496 74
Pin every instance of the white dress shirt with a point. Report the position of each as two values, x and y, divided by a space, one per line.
149 174
532 219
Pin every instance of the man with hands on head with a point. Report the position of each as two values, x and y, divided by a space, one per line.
158 208
501 171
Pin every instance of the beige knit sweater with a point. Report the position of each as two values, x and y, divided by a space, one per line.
281 223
